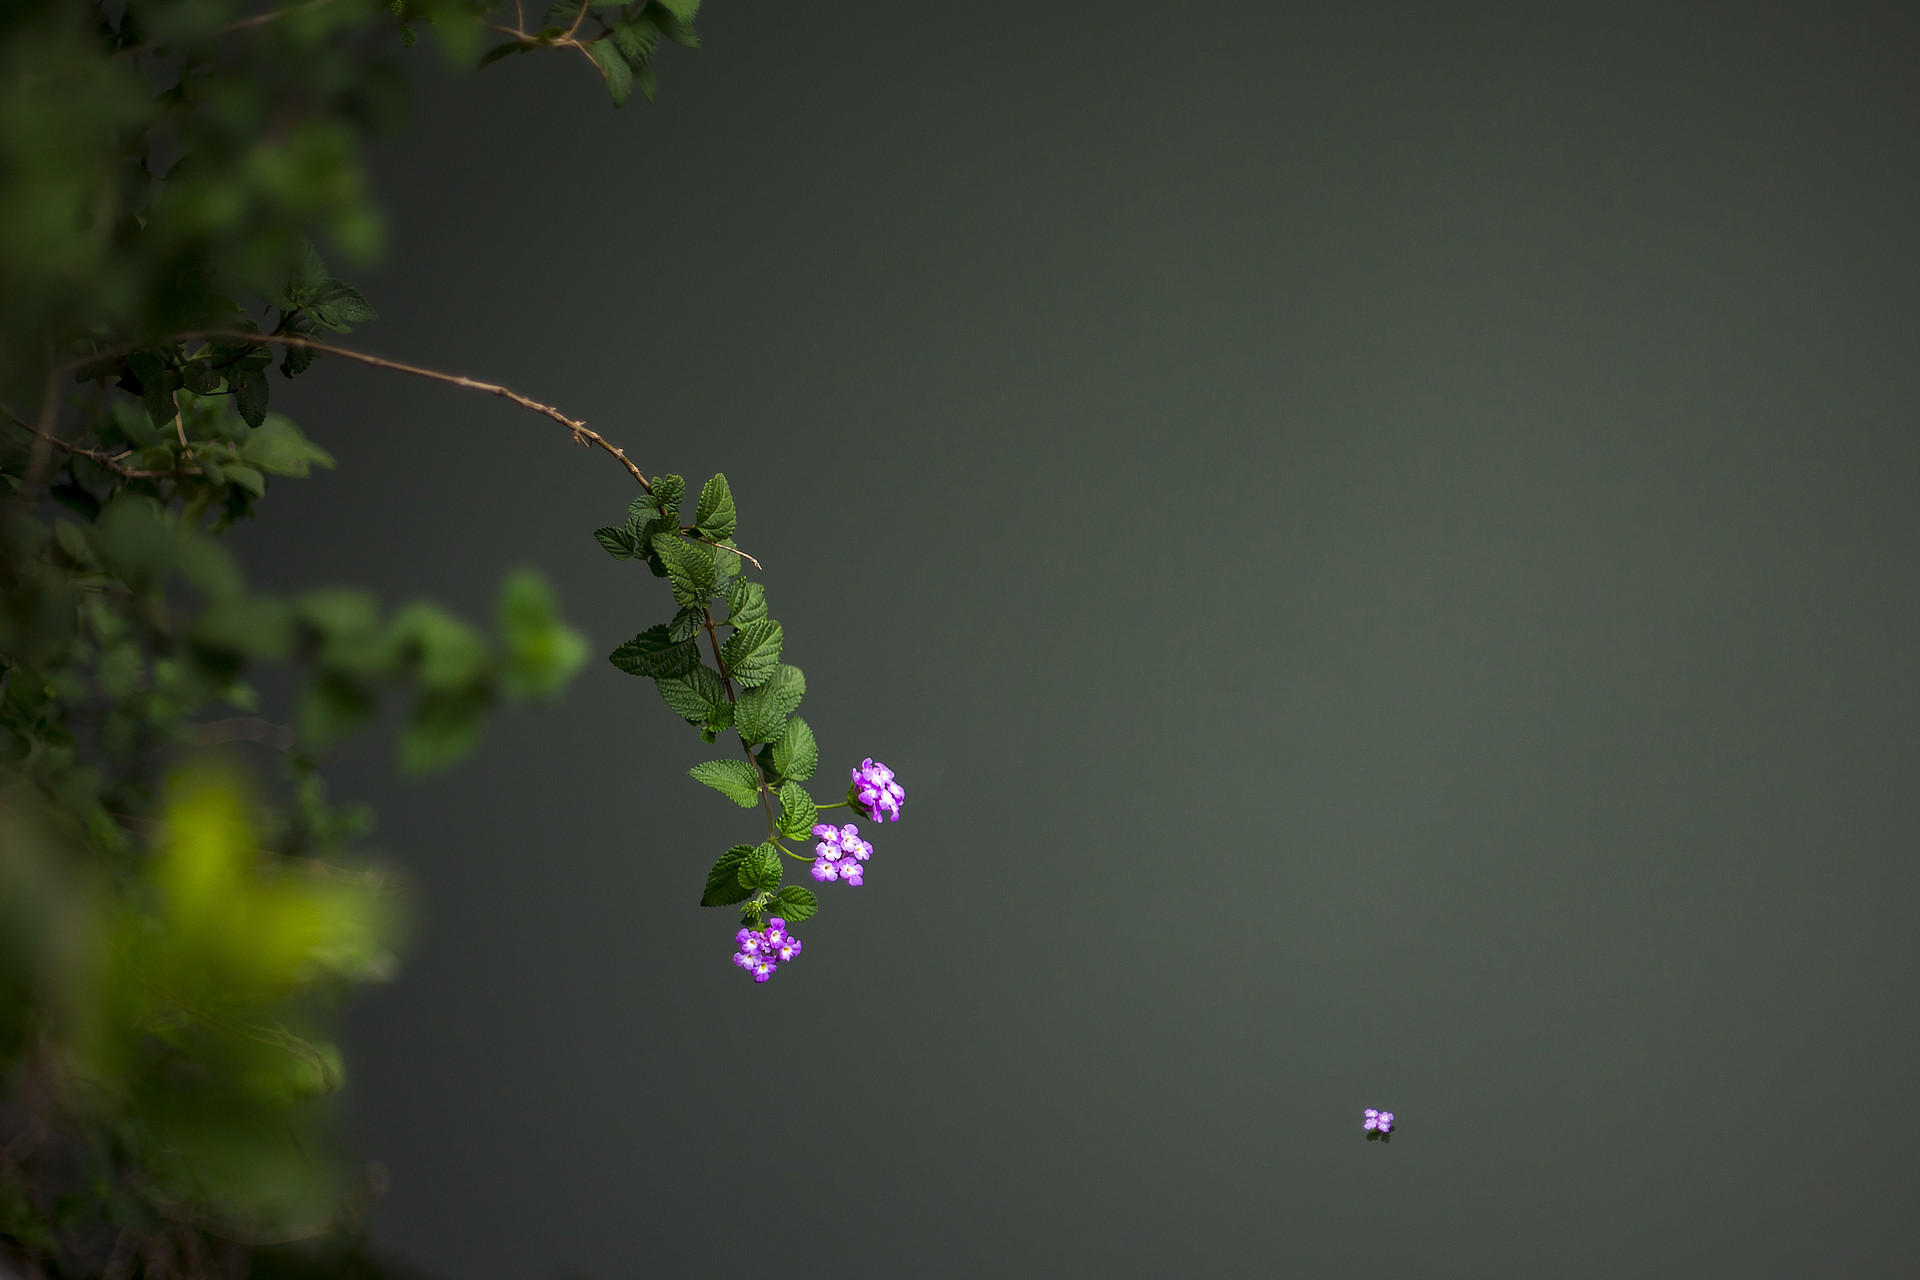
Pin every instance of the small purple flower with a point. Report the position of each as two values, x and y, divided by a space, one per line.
759 947
1377 1121
839 854
1386 1122
875 793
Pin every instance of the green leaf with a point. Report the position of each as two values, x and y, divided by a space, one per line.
746 602
715 518
798 812
618 543
761 714
681 9
671 25
723 882
250 394
696 695
687 624
278 447
542 651
795 754
793 904
307 271
733 779
614 68
151 373
664 498
339 306
246 478
438 649
636 42
332 705
752 654
726 563
441 728
761 869
500 51
248 626
656 654
689 570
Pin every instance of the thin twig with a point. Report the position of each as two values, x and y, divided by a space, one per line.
49 415
107 460
582 434
244 729
689 533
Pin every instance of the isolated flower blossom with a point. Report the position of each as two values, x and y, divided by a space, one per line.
762 950
839 854
875 793
1377 1121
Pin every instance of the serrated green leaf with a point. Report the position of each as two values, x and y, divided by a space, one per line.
666 495
642 529
636 41
339 306
672 26
723 881
250 395
685 10
797 810
614 69
695 695
762 713
688 569
687 624
793 904
761 870
746 602
656 654
618 542
795 754
752 654
715 517
733 779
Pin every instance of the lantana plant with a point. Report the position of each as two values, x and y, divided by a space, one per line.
751 693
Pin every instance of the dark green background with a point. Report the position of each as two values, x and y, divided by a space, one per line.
1380 541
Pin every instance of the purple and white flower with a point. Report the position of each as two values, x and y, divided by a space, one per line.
875 793
839 854
1377 1121
762 950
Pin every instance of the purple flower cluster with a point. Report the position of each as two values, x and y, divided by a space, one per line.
1377 1121
762 950
839 854
875 793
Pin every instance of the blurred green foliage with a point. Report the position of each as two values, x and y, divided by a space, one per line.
178 927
